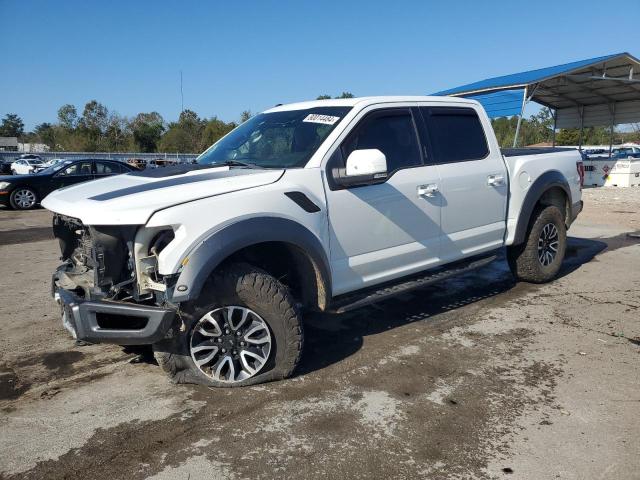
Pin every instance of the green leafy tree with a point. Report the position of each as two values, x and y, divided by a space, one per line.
175 140
92 126
118 135
185 135
147 130
346 95
12 126
213 131
323 97
68 116
45 133
244 116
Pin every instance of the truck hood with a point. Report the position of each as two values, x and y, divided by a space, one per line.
132 198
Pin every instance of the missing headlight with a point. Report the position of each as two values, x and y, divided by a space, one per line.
161 240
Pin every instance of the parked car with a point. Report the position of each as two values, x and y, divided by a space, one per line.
137 163
23 192
25 166
622 152
29 156
323 205
54 161
5 167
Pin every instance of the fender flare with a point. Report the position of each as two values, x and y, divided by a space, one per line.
543 183
214 249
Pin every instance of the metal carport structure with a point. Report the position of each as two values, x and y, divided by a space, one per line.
594 92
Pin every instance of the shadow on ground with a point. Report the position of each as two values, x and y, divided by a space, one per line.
332 338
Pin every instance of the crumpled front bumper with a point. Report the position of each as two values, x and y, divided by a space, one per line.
104 321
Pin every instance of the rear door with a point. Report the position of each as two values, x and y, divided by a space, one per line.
106 168
383 231
473 181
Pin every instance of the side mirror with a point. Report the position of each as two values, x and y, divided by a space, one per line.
364 167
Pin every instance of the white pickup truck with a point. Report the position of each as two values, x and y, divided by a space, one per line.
326 205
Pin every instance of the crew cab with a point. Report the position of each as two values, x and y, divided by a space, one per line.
325 205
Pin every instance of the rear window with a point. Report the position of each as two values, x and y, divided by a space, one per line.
456 134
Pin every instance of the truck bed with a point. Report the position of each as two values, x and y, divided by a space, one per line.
521 152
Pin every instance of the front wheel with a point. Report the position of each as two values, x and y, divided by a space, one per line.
23 198
539 259
244 329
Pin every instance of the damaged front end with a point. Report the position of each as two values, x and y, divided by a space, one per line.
108 285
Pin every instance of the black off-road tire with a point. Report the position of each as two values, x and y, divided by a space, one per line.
523 259
238 285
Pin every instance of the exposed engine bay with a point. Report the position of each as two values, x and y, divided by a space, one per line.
100 261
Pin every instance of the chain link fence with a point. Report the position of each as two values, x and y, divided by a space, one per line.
121 156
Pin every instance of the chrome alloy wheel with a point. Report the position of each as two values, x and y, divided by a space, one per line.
24 198
548 244
230 344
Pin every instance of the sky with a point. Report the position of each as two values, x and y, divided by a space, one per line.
250 55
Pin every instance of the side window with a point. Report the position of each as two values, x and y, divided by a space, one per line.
80 168
107 168
392 133
456 134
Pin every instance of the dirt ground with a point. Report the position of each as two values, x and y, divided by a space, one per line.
477 377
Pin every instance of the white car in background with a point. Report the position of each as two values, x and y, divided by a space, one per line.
24 166
54 161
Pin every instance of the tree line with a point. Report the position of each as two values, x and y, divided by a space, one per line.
96 129
539 129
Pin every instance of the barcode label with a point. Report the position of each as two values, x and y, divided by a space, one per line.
317 118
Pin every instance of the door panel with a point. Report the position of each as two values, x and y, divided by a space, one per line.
383 231
473 182
106 169
473 212
75 173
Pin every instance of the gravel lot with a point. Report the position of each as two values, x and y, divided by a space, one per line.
477 377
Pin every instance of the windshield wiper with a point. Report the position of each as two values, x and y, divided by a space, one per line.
236 163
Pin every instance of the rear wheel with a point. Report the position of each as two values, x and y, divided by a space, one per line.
244 329
539 259
23 198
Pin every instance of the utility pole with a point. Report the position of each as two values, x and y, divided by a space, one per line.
181 94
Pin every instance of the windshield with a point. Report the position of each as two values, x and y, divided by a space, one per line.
35 162
277 139
57 166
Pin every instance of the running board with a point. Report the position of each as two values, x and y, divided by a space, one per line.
352 301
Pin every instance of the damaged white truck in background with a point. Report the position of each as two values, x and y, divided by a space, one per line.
326 205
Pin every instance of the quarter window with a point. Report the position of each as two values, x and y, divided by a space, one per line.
106 168
456 134
393 134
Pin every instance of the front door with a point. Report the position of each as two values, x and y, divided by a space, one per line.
383 231
473 182
77 172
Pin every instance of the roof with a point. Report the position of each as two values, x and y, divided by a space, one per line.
525 78
588 92
8 141
361 101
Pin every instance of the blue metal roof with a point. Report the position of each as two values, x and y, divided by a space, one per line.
504 103
526 78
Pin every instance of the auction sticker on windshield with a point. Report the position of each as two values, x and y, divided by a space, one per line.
317 118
